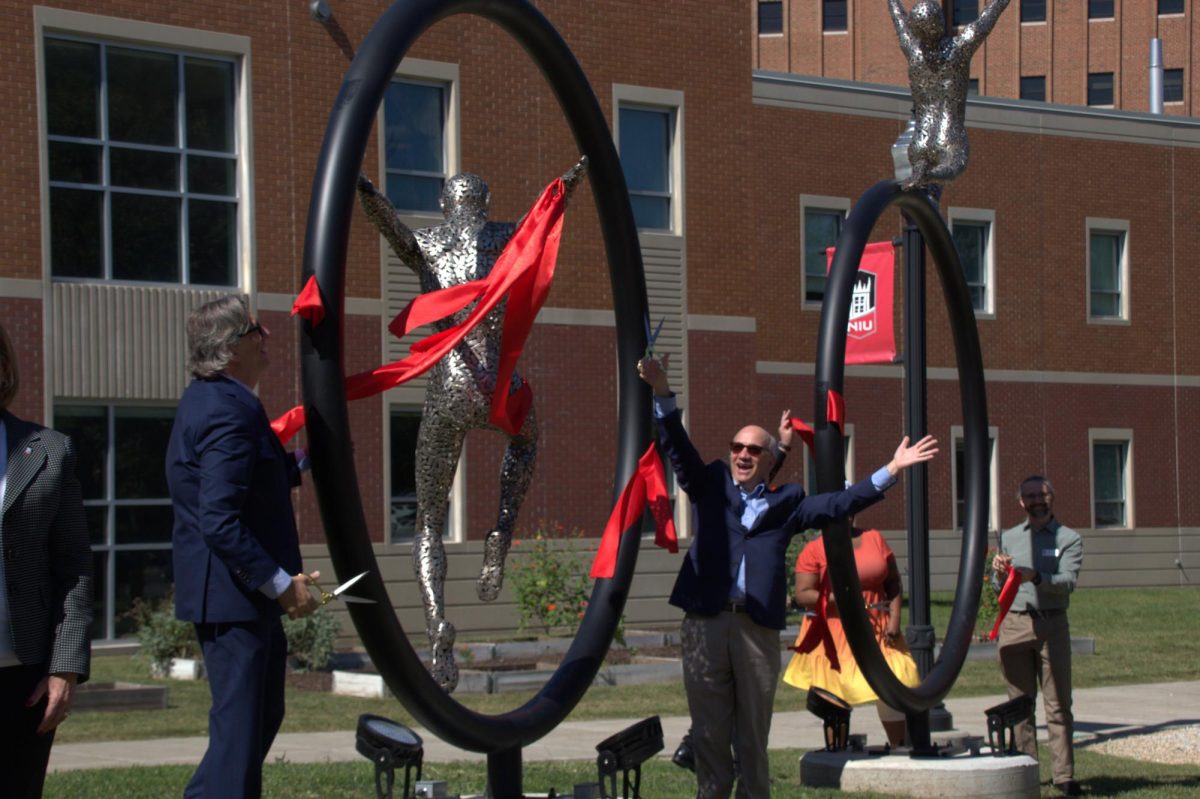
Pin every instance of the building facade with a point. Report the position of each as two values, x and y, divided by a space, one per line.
159 156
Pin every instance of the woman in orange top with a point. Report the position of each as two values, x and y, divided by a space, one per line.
882 593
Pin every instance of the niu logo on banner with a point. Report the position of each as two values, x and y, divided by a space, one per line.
862 306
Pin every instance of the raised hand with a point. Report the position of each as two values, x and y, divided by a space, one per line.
909 455
786 431
654 372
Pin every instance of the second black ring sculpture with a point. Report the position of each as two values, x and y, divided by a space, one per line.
830 371
322 362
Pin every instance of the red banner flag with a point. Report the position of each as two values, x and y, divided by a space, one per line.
308 304
648 483
1007 594
869 334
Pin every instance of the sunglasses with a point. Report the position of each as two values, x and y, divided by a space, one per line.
254 328
753 450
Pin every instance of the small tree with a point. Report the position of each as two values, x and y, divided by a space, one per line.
549 576
162 636
311 640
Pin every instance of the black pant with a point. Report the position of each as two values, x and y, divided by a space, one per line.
23 753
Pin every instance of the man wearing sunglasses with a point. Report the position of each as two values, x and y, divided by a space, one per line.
732 584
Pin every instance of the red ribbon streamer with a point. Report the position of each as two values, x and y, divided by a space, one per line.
818 630
308 304
806 433
648 483
1007 594
835 409
522 273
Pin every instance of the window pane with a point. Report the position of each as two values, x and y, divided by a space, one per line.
651 213
208 175
1105 264
414 118
72 89
99 628
1108 472
1100 88
646 149
145 238
88 429
76 237
146 574
212 243
143 524
770 17
833 15
1170 6
143 169
970 239
1100 9
97 522
1172 85
821 230
414 192
1033 87
75 163
141 443
142 92
965 11
973 87
209 94
1033 10
403 446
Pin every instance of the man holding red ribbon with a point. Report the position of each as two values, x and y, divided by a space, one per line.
1043 557
733 584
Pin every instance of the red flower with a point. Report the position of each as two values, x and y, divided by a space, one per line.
551 606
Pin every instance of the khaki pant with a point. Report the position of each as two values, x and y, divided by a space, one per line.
1033 651
730 671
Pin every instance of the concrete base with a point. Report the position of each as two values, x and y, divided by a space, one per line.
976 776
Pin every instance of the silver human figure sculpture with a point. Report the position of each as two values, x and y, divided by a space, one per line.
938 71
458 398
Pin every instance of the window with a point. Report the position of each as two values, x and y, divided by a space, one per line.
142 155
973 87
1172 85
770 17
1100 9
1033 87
821 227
834 16
120 453
646 135
971 231
960 479
402 527
965 11
414 116
1108 269
1100 88
1111 478
1170 7
1033 10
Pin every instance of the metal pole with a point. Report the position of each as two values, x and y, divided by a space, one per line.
1156 76
504 774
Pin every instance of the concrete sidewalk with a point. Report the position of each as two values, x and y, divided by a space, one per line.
1099 713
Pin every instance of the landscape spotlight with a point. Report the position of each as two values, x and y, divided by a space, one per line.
1002 718
389 746
626 752
833 710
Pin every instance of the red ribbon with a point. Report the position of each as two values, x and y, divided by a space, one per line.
648 483
806 432
818 630
522 273
308 304
1007 594
835 409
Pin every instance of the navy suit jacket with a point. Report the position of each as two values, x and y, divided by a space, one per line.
706 576
230 481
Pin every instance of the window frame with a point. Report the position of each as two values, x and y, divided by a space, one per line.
1120 228
1021 88
1112 436
987 217
955 19
758 17
1112 79
993 519
182 43
1111 16
672 102
1182 86
456 520
817 203
1159 12
846 12
1040 21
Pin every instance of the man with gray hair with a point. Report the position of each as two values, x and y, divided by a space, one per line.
1035 638
235 547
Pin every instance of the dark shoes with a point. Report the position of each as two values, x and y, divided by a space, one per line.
1069 788
684 756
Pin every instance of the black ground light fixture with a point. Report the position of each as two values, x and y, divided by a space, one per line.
833 710
1000 722
626 752
389 746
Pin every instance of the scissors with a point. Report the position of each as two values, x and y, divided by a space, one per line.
339 592
652 337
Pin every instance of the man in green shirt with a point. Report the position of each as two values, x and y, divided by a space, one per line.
1035 639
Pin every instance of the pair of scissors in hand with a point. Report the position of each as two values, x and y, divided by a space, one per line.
340 591
652 337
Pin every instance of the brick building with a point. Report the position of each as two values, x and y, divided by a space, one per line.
157 156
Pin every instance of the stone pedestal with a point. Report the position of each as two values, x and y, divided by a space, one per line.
977 776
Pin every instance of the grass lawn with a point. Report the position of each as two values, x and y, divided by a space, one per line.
1101 776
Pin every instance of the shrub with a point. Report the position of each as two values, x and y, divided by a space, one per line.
549 576
162 636
989 603
311 640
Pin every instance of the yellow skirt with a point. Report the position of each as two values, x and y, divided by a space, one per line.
813 669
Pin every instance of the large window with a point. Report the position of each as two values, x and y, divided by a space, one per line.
120 452
960 479
834 17
414 115
402 528
1170 7
965 11
1172 85
770 17
1033 10
822 224
1108 269
971 230
1100 88
143 163
1033 87
1100 9
647 136
1111 478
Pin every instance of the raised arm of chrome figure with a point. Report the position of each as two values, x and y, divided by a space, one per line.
458 398
939 67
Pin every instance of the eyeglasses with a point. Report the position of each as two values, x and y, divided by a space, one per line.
1042 495
254 328
753 450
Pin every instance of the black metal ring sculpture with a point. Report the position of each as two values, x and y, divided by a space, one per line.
830 369
334 475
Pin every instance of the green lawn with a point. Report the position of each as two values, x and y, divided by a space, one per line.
1101 776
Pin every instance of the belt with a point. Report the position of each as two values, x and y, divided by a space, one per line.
1041 614
735 607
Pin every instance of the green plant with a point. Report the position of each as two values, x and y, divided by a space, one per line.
311 640
162 636
989 603
550 579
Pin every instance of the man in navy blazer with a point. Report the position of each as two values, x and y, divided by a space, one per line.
236 551
733 584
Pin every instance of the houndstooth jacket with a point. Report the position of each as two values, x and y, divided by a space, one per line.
47 555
